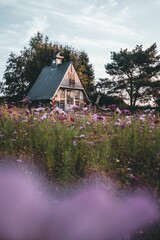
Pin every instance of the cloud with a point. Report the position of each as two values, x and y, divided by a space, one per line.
88 16
23 32
88 10
16 36
40 24
8 2
95 26
112 3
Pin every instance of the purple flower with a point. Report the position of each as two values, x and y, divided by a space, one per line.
36 113
82 127
142 117
62 118
120 124
16 121
97 117
27 111
125 111
112 106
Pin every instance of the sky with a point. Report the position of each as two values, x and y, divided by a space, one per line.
96 26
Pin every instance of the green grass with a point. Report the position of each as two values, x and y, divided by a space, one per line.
69 147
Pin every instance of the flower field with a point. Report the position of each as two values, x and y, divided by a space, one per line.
71 145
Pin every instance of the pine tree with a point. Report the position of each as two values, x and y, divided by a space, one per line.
133 74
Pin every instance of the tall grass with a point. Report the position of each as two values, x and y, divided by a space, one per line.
69 146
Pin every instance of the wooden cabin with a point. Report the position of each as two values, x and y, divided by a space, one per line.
60 84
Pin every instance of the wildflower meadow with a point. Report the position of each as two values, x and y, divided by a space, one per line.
71 145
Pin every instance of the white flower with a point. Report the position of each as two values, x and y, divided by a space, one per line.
39 109
44 116
19 160
82 136
117 123
85 109
118 111
74 143
59 110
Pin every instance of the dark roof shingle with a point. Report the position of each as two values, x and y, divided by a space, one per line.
47 83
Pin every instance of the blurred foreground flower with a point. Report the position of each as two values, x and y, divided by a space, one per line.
91 213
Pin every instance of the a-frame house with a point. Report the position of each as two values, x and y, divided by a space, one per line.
60 84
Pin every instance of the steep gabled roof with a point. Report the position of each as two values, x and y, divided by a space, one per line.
47 83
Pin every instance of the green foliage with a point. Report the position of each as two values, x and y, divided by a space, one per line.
134 74
137 150
106 100
22 70
15 81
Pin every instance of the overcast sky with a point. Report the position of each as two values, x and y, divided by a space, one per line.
96 26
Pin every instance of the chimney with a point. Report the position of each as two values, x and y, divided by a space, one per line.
59 58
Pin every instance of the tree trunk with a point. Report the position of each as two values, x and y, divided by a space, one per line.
131 94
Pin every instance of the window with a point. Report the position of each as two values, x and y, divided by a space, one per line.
77 103
62 93
77 94
71 82
62 103
70 97
71 77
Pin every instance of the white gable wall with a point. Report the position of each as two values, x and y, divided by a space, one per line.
65 82
70 91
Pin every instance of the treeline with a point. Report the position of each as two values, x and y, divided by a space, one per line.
132 77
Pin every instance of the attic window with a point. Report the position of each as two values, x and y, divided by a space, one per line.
71 77
71 82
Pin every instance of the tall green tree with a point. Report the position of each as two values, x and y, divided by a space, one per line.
22 70
133 74
15 81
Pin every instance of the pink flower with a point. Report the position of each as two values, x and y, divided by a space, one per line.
126 111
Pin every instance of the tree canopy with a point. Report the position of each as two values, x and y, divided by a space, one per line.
22 70
134 75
